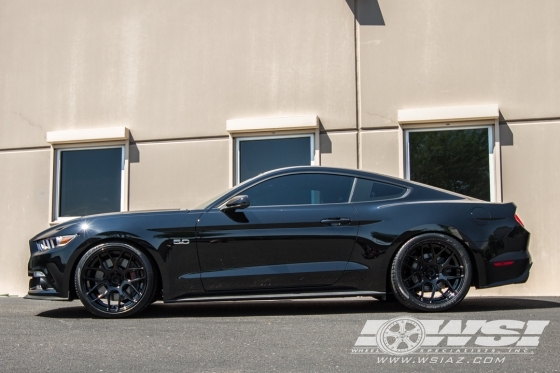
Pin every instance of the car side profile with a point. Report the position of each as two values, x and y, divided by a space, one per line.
299 232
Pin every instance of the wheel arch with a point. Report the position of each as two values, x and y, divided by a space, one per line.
445 230
147 249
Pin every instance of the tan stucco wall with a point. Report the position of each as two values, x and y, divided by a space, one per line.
380 151
339 150
530 178
180 174
433 53
172 69
24 203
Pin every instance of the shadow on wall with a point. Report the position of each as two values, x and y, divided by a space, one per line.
367 12
133 151
506 136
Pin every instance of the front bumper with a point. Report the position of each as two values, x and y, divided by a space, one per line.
41 288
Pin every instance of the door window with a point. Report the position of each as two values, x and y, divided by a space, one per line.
301 189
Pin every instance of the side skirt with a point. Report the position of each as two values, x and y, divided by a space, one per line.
323 294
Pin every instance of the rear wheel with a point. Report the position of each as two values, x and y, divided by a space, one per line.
431 272
115 280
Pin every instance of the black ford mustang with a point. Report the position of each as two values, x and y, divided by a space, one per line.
300 232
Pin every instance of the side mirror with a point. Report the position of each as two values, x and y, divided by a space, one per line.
237 202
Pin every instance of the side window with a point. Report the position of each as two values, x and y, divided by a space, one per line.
301 189
370 190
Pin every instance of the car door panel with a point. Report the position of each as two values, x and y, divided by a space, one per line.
275 246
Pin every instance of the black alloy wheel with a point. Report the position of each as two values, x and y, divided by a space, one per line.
431 272
115 280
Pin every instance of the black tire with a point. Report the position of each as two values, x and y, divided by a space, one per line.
115 280
431 272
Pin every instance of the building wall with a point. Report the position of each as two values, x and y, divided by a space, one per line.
24 199
530 178
174 72
435 54
172 75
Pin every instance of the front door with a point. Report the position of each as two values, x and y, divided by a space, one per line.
298 232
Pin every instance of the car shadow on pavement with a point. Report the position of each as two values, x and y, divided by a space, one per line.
307 307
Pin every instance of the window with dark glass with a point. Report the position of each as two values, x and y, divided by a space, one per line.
370 190
452 159
258 155
301 189
89 181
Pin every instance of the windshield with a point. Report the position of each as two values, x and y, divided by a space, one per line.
211 201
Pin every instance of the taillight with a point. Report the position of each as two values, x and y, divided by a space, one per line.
518 219
504 264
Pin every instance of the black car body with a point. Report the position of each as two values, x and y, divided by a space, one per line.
294 232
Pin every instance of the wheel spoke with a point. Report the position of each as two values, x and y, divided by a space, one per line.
433 253
433 293
416 330
95 279
100 296
128 263
449 287
95 269
109 300
409 277
416 285
390 333
134 269
136 290
94 288
119 259
136 279
454 277
125 294
396 343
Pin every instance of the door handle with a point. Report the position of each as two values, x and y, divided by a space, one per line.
336 221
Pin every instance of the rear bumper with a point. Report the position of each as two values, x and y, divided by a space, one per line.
507 260
518 280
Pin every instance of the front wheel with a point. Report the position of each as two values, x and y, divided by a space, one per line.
115 280
431 272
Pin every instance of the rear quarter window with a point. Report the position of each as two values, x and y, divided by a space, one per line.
371 190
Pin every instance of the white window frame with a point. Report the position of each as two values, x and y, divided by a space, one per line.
82 139
258 138
456 117
58 151
247 129
491 158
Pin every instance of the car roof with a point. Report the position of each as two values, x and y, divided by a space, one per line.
337 170
357 173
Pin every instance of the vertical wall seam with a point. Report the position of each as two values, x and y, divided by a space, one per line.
358 88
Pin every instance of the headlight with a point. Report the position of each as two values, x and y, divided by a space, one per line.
53 242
